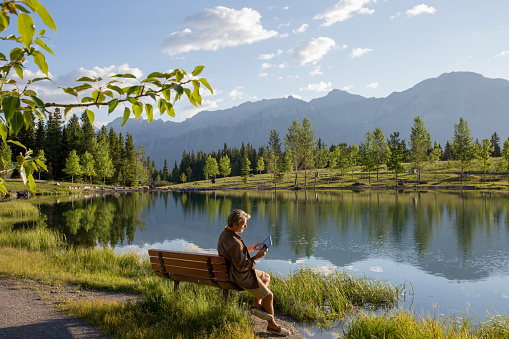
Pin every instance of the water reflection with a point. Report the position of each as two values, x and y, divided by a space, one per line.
457 235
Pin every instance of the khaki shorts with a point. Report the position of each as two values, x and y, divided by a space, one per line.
262 291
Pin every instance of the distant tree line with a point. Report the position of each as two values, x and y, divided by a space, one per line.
75 152
300 150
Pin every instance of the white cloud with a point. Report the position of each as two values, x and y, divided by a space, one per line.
190 110
321 87
372 85
316 71
270 55
263 75
216 28
301 29
395 16
312 50
420 9
284 36
296 96
283 25
286 8
358 52
266 65
283 65
236 94
347 88
343 11
502 54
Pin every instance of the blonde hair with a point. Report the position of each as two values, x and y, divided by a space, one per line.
236 216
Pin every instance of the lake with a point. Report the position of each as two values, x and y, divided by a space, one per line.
450 249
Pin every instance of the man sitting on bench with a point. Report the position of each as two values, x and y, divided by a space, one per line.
242 271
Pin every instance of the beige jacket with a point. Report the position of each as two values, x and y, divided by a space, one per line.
232 247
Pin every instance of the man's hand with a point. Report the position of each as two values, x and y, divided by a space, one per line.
261 253
255 247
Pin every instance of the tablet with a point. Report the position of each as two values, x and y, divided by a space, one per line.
267 242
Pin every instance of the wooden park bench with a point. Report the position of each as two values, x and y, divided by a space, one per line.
198 268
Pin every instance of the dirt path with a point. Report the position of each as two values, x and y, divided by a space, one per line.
28 309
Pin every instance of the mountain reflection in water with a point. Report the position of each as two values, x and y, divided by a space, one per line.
448 245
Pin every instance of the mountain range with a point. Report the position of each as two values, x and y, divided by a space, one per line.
337 117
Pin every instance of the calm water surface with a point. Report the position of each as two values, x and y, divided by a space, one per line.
450 249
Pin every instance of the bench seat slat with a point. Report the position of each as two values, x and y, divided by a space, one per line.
190 264
191 272
214 258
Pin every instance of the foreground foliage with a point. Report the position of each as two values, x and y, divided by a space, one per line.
404 324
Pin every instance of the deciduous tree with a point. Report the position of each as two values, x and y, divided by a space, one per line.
483 154
420 143
72 165
463 146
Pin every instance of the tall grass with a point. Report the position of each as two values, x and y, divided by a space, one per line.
311 295
15 211
404 324
194 312
38 239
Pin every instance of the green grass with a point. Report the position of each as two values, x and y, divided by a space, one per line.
327 180
404 324
17 211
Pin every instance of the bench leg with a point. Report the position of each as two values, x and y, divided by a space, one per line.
176 286
226 293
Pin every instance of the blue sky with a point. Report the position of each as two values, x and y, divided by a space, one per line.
256 50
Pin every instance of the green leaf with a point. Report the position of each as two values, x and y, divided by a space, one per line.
85 79
9 106
166 94
206 84
161 105
19 71
83 87
91 116
40 61
150 112
15 53
20 145
27 119
179 74
129 90
2 56
17 122
127 112
21 8
179 89
137 109
132 100
31 183
43 45
42 32
41 164
2 188
87 99
23 173
3 131
127 75
4 20
112 105
67 112
169 109
197 70
39 103
71 91
39 79
43 13
26 29
116 89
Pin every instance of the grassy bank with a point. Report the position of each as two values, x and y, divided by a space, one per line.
404 324
196 311
446 175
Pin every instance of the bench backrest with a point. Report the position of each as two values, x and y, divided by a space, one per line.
199 268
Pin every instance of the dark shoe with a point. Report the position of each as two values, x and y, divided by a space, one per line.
260 313
278 331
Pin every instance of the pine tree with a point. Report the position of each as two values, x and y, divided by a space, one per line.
53 144
166 172
495 142
71 140
127 171
246 168
88 135
175 173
